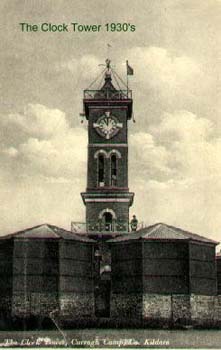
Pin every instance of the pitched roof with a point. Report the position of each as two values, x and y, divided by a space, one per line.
162 231
47 231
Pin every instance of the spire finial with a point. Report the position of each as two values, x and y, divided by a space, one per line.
108 61
108 66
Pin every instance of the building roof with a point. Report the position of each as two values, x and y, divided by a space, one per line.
47 231
162 231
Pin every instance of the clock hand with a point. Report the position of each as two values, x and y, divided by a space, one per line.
96 125
119 125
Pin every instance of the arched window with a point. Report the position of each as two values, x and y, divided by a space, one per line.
101 170
113 170
108 221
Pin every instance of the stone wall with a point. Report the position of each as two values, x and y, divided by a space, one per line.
5 310
177 310
34 304
182 310
156 309
203 310
181 313
217 309
76 305
126 309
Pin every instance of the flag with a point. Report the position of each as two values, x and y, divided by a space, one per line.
130 70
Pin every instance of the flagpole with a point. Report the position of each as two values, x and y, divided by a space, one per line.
127 77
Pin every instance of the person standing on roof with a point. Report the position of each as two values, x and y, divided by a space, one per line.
134 223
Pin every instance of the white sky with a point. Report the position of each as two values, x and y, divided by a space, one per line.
175 144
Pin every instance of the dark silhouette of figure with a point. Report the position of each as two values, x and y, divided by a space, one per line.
134 223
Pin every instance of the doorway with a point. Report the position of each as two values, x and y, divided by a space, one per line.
102 299
108 221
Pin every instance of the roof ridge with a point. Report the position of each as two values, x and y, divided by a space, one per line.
154 227
53 229
189 234
25 230
164 231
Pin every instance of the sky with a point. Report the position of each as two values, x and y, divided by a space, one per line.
175 144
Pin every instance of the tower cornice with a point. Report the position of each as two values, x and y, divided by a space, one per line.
112 145
120 197
126 103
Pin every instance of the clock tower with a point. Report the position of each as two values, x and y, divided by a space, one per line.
107 197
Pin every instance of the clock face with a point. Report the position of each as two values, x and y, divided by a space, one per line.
107 125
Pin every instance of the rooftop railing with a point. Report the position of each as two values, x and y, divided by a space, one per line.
107 94
97 226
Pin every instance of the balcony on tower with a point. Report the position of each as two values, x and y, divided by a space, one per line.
108 93
108 227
